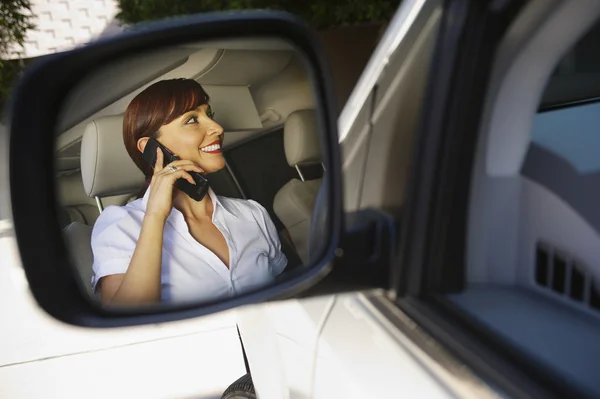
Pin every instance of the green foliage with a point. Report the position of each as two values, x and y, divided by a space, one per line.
320 14
9 72
15 21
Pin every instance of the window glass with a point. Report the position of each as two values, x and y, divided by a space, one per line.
563 155
534 236
572 134
577 75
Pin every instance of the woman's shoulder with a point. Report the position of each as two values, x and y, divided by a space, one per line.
115 216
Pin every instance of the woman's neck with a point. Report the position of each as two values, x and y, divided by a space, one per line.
190 208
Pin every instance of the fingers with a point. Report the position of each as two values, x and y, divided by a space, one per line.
180 174
183 165
182 162
179 164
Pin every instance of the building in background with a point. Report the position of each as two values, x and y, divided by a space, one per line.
64 24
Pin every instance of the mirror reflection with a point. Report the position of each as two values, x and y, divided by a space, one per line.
190 173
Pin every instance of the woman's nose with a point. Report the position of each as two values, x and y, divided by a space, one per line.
215 129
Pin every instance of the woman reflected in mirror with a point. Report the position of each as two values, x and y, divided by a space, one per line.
166 246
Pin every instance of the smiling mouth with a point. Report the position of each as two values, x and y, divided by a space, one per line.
213 148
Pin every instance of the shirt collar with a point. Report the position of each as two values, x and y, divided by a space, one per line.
217 203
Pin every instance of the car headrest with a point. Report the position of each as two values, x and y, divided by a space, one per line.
300 138
106 167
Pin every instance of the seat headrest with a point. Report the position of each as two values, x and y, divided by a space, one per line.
106 167
301 139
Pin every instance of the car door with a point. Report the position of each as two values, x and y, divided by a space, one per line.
477 99
377 148
281 338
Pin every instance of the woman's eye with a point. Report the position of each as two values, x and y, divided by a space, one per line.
210 113
193 119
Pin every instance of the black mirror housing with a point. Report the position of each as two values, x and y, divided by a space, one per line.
33 114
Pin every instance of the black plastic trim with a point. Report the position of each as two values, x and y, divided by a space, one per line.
246 364
34 111
421 188
484 28
570 104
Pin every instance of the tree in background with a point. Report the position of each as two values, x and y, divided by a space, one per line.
15 21
320 14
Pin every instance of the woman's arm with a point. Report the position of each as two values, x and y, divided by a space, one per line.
141 283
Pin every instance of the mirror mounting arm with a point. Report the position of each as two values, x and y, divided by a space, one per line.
365 255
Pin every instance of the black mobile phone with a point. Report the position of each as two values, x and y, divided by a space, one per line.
197 191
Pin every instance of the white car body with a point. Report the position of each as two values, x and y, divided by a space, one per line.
323 347
303 348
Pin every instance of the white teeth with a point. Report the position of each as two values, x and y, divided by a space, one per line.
211 148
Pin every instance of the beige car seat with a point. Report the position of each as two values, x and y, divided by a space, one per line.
294 202
106 171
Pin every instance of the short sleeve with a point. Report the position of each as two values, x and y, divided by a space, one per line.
114 239
277 259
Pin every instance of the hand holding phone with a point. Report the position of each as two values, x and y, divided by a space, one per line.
195 191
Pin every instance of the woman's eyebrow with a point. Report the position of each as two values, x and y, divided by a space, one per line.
187 114
191 111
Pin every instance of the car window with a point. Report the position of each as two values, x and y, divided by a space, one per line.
534 227
577 76
563 150
571 134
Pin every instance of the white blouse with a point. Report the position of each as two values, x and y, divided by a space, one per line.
189 270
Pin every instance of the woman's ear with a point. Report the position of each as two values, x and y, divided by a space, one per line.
141 143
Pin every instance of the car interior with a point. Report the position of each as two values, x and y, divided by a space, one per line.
533 244
262 96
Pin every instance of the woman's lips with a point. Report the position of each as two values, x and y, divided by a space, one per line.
212 148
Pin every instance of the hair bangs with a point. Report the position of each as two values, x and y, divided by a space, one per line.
185 98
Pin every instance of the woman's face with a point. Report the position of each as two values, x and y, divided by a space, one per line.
194 136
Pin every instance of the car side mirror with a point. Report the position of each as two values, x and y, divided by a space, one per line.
77 121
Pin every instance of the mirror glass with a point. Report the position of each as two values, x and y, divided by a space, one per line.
190 173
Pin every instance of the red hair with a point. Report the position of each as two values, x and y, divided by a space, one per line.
157 105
